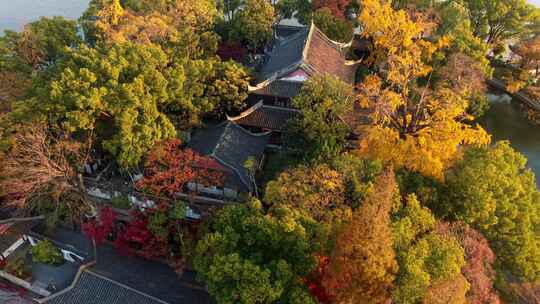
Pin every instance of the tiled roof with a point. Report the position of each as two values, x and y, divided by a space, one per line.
231 145
310 50
92 288
325 57
286 55
263 116
281 88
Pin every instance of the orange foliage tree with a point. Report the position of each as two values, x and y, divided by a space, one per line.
363 264
318 192
13 86
528 53
186 24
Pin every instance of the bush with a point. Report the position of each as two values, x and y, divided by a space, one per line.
18 268
45 252
478 105
121 202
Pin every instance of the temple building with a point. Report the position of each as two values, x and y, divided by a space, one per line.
263 118
294 58
229 146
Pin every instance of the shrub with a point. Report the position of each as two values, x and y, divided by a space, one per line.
45 252
121 202
18 268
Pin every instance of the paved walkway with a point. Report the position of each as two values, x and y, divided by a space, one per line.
153 278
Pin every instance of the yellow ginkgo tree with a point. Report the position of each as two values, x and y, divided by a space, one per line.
414 124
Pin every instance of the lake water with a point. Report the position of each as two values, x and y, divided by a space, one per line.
505 120
15 13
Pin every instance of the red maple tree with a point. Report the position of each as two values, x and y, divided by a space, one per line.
97 229
169 167
136 238
314 281
337 7
171 239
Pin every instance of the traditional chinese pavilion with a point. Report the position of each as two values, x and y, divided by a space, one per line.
293 59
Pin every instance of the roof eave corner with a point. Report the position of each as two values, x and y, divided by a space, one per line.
246 112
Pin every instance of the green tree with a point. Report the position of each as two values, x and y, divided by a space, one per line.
466 65
335 28
320 130
209 88
456 24
300 9
358 174
250 257
227 88
117 92
40 43
496 21
492 190
429 262
411 220
254 23
363 264
230 7
432 261
132 96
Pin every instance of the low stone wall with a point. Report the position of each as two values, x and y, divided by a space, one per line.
24 284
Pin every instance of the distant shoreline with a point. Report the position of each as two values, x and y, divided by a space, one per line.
15 14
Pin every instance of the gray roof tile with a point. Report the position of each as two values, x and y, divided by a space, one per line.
281 88
95 289
311 50
267 117
286 54
230 145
